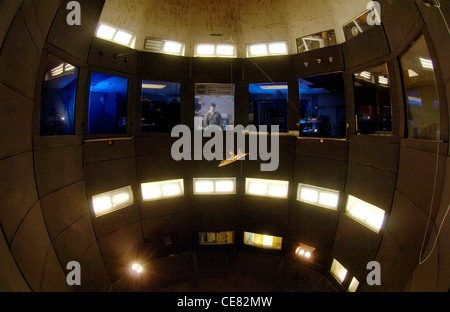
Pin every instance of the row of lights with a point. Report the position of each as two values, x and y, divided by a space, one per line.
365 213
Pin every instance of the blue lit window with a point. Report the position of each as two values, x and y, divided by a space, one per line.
322 106
108 104
58 98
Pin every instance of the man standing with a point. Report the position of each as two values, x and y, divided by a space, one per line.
213 117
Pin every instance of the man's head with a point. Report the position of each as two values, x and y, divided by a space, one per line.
212 107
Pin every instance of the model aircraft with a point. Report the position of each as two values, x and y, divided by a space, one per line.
233 158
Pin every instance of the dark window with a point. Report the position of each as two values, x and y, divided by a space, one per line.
268 104
160 106
58 98
373 101
322 106
421 94
108 104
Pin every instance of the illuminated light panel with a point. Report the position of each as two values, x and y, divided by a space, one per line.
214 186
258 50
113 200
366 74
338 271
412 73
172 47
225 50
426 63
160 190
205 49
68 67
263 241
137 268
278 48
106 32
305 251
153 86
353 285
123 37
269 188
318 196
383 80
57 70
367 214
274 87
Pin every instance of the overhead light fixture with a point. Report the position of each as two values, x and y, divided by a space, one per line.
367 214
412 73
258 50
305 251
426 63
214 186
225 50
338 271
153 86
112 201
114 34
269 188
173 47
106 32
123 37
318 196
160 190
383 80
278 48
274 87
205 50
57 70
366 74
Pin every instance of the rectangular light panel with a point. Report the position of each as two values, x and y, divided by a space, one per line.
353 285
367 214
173 47
214 186
278 48
106 32
263 241
318 196
225 50
205 49
268 188
338 271
112 201
160 190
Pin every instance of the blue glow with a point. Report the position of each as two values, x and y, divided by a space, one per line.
107 104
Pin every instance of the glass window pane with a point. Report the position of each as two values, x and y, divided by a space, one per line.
58 98
322 106
108 104
214 105
316 41
421 94
373 100
268 104
160 106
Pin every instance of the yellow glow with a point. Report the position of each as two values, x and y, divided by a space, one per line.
353 285
338 271
161 190
368 214
269 188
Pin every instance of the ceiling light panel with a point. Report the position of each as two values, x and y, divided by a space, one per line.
214 186
367 214
161 190
106 32
353 285
112 201
173 47
205 50
278 48
268 188
318 196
